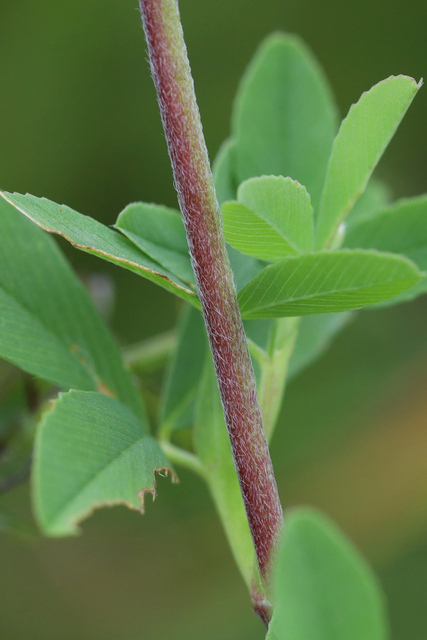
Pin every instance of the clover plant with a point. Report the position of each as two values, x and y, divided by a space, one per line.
302 237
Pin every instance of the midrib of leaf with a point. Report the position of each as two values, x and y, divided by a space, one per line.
134 266
262 225
318 294
285 237
174 254
334 293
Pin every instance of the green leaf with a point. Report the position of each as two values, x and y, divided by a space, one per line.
326 282
159 232
363 136
48 324
91 236
272 382
184 372
284 119
213 448
224 171
314 337
400 229
91 452
272 219
244 267
258 332
324 590
375 198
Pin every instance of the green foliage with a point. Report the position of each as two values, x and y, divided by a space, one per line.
213 447
158 232
323 589
360 143
272 218
224 172
286 181
400 229
49 326
183 374
274 370
91 451
284 119
376 196
326 282
91 236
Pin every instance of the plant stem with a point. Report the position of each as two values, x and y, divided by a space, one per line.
196 194
274 370
151 354
183 458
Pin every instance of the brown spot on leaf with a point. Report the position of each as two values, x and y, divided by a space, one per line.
105 389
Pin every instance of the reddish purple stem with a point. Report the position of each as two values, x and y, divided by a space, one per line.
198 203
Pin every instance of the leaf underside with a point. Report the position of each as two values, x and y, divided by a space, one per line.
326 282
183 374
48 324
91 236
401 229
159 232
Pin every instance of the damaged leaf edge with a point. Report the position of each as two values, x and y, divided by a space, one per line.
71 526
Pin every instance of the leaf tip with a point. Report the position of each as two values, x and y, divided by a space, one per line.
282 38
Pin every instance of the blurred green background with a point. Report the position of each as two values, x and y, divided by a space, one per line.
79 124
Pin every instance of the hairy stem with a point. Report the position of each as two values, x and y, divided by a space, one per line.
196 194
